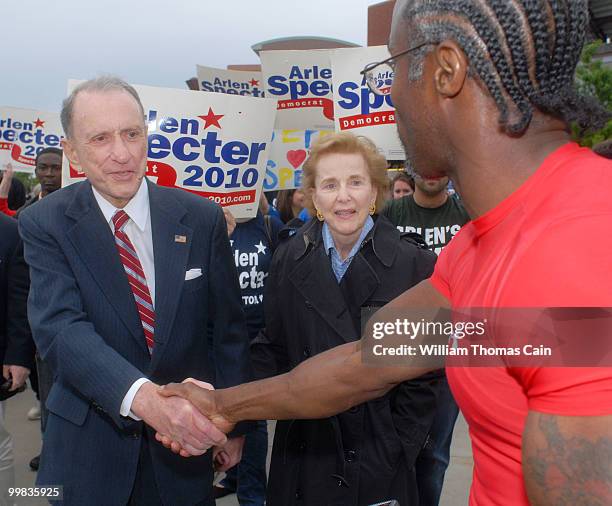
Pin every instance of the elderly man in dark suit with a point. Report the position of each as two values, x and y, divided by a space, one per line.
133 286
16 345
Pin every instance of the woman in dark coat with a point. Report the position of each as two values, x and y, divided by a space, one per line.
321 277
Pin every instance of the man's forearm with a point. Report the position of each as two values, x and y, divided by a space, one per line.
322 386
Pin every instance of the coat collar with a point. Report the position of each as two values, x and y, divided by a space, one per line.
314 279
384 237
322 292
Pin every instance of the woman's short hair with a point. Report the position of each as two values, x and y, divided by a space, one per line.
346 143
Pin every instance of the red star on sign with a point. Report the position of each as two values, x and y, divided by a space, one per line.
39 123
211 119
254 82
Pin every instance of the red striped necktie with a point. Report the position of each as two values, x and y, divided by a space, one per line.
136 277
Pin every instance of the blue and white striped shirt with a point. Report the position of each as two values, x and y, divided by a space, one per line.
338 265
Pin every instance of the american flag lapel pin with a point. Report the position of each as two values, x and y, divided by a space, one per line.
180 238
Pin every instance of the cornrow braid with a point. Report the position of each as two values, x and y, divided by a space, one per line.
578 16
540 36
508 14
469 12
482 66
555 80
531 51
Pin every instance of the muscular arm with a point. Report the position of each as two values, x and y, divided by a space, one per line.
567 460
324 385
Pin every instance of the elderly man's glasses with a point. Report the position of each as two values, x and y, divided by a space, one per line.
379 75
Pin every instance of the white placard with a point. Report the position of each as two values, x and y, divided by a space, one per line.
288 153
301 81
232 82
211 144
24 133
357 109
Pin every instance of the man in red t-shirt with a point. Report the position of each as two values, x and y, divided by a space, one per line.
492 83
543 246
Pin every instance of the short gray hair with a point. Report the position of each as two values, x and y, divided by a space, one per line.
101 84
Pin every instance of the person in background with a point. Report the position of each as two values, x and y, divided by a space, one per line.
16 344
321 277
48 171
401 185
289 204
12 193
429 211
253 243
5 188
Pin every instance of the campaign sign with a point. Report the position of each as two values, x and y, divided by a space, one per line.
24 133
359 110
233 82
301 82
211 144
288 153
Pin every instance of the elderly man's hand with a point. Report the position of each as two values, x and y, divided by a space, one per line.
228 456
176 419
202 396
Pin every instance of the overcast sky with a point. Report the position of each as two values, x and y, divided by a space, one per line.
153 42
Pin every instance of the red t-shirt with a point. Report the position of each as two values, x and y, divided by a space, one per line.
549 244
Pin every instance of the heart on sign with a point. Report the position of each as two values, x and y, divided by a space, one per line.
296 157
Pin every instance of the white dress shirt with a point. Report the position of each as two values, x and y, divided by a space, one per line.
138 229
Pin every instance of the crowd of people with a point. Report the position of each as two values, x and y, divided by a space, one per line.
165 332
345 185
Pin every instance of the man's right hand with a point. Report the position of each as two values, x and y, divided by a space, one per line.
177 419
203 399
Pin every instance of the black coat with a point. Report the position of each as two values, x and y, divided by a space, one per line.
366 454
16 344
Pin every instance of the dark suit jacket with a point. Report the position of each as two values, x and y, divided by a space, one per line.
86 326
16 344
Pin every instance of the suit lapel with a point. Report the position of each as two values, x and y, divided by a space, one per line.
93 241
170 258
315 280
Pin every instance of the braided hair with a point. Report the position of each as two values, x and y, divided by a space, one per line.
524 51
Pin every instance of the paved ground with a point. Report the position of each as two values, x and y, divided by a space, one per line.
26 435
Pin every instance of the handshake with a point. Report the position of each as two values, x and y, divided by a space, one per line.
187 422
